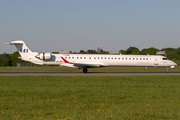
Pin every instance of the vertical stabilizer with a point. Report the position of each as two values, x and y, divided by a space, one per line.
21 47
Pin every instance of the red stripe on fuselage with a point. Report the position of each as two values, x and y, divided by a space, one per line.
65 60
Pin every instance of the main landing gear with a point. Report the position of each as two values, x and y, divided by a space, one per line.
85 70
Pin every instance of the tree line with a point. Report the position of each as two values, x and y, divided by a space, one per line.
10 59
171 53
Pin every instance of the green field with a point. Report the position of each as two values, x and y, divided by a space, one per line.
69 98
105 69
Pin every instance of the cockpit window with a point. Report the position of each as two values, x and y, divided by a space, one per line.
165 59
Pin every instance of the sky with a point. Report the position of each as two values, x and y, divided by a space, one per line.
112 25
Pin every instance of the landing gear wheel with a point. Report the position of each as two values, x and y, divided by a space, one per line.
167 70
85 70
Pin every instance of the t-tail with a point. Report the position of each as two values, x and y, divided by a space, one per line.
22 48
28 55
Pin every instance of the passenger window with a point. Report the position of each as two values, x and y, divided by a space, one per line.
84 57
77 57
129 58
101 57
136 58
89 57
146 58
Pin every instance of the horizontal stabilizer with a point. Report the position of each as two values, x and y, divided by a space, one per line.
16 42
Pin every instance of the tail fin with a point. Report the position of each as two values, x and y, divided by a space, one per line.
21 47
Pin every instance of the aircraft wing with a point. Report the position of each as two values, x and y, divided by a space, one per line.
37 63
82 65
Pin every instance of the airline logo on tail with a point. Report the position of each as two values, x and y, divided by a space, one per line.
24 50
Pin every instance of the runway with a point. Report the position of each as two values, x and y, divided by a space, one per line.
91 74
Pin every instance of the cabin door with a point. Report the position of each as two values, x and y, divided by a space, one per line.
156 61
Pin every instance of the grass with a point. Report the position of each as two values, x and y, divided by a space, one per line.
71 98
105 69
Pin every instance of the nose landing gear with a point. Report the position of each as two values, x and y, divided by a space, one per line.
167 69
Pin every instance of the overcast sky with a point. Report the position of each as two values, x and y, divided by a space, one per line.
54 25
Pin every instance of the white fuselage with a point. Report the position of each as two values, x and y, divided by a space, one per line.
104 60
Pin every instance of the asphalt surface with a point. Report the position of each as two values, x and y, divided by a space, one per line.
92 74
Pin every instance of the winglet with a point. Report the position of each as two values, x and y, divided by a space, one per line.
65 60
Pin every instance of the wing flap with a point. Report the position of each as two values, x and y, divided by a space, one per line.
79 65
68 65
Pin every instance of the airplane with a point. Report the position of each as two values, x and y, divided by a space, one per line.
85 61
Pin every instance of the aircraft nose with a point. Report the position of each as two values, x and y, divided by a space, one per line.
173 63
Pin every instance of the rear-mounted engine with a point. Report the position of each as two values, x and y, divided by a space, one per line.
44 56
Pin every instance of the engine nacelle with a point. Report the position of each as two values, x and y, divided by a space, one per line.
44 56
